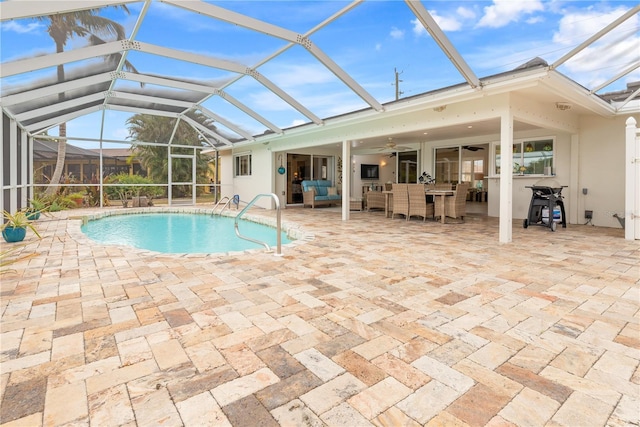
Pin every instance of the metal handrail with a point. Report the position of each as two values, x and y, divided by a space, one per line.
223 207
278 224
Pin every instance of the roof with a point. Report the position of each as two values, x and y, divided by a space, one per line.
244 92
48 150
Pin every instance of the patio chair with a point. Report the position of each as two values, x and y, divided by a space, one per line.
400 200
455 206
375 200
418 205
443 186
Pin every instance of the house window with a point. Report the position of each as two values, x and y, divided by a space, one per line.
242 165
530 157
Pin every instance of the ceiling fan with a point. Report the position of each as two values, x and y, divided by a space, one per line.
472 147
392 146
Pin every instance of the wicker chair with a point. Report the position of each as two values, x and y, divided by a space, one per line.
418 205
455 206
375 200
400 200
443 186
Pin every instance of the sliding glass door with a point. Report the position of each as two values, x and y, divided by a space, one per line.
302 167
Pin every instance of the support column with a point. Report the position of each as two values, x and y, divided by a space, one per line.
346 179
13 166
23 180
632 176
576 204
506 176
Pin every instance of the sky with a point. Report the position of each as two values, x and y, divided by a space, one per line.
371 42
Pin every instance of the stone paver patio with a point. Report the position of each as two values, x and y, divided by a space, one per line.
367 322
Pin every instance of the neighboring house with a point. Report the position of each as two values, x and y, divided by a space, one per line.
81 165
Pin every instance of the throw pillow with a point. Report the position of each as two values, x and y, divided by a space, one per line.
332 191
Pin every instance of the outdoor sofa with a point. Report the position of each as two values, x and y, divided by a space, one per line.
320 192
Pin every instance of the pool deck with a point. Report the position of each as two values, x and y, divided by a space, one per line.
367 322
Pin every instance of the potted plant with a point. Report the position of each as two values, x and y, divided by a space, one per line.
425 178
37 205
77 198
15 227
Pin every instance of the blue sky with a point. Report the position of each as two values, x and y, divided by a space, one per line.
369 42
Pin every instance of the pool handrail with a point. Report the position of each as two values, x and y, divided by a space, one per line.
228 201
278 224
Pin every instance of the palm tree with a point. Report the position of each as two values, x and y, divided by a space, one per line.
82 23
144 127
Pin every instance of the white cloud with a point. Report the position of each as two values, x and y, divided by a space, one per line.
503 12
396 33
534 20
378 47
289 75
418 29
576 27
466 13
17 27
446 23
615 51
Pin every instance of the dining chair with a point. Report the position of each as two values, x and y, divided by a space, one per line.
455 206
400 200
418 205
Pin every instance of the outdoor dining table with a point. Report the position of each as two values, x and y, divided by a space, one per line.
387 194
442 194
436 193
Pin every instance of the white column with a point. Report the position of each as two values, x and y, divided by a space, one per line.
346 179
13 166
632 179
506 176
2 183
575 203
30 181
24 168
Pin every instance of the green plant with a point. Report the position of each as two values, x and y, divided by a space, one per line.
39 203
77 198
127 186
19 219
7 258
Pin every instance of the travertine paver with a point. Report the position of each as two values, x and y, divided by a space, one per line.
367 322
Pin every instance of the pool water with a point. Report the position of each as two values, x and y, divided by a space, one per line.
180 233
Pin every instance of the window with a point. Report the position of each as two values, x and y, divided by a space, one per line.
473 171
242 165
530 157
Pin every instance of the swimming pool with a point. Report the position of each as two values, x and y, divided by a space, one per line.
180 232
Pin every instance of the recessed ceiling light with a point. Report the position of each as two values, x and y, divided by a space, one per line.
469 127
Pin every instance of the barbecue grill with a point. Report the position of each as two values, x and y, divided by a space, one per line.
545 198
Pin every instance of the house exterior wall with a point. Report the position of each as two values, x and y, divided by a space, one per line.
589 153
602 168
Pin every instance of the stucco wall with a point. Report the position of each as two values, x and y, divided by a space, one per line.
387 167
602 168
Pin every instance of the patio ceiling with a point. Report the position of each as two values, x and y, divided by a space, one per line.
170 81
